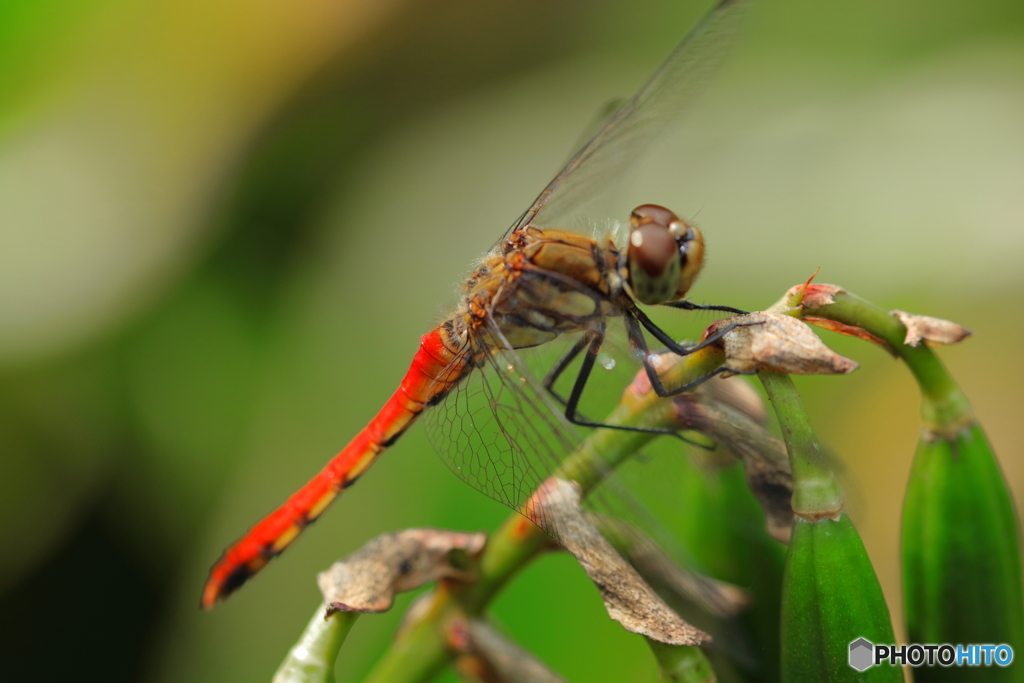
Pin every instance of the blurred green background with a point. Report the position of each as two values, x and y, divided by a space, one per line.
224 224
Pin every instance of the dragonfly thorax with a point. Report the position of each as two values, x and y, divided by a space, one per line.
663 257
542 284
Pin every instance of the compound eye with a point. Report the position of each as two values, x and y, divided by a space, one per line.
654 264
652 248
680 230
651 213
691 258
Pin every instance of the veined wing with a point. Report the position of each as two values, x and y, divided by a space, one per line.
504 434
628 132
497 431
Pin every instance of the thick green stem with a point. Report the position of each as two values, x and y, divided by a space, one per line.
311 660
831 595
816 493
419 652
961 554
682 664
509 549
943 405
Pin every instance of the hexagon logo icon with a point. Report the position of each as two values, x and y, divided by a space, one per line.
861 654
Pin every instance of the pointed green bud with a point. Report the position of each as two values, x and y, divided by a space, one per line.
830 598
961 553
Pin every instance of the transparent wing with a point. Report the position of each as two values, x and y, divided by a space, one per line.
503 433
493 437
628 132
600 120
497 432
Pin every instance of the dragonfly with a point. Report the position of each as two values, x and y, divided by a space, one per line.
493 423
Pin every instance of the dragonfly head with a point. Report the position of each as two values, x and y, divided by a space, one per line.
664 255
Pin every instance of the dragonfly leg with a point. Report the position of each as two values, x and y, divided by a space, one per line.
593 342
562 364
639 316
639 346
690 306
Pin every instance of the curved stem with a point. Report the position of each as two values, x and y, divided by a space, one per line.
311 660
816 493
943 405
682 664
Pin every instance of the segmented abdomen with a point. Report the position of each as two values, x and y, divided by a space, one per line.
437 366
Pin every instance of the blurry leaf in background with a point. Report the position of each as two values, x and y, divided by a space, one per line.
119 124
36 39
103 190
58 430
190 373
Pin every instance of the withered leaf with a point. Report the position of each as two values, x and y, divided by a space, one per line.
780 343
736 394
717 598
764 457
628 599
819 295
367 580
925 328
848 330
487 656
808 295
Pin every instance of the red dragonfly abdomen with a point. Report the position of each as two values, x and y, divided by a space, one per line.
437 366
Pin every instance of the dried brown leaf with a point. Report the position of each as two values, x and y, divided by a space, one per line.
487 656
925 328
770 341
848 330
628 599
764 457
367 580
717 598
816 296
738 394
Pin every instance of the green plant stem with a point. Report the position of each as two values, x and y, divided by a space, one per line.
830 593
682 664
311 660
509 549
517 540
816 493
419 653
943 405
